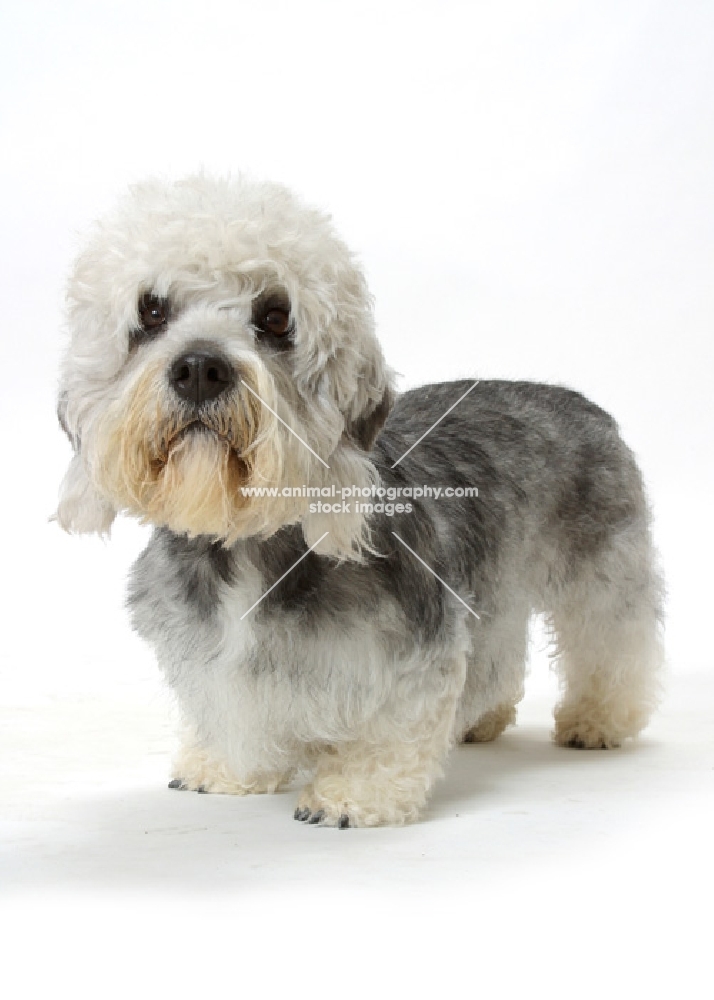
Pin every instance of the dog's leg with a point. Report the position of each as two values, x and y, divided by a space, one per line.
202 769
365 784
609 654
385 776
491 724
497 665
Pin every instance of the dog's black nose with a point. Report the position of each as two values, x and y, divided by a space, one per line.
200 375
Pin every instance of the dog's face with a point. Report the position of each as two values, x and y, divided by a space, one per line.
221 338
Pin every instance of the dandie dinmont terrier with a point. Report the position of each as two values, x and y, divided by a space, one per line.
373 610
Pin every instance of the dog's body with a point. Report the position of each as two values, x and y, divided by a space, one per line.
358 646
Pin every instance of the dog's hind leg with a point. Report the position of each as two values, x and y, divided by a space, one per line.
494 683
606 626
491 724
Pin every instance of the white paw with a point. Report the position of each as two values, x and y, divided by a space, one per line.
205 783
491 725
585 736
325 803
197 770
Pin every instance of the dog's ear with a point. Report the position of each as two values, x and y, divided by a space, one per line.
366 427
81 509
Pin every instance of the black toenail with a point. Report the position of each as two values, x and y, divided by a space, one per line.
317 817
175 783
343 822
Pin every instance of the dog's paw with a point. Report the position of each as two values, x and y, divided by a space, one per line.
322 817
198 772
329 803
219 783
585 737
225 786
491 725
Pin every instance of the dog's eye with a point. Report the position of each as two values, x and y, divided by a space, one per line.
275 321
153 313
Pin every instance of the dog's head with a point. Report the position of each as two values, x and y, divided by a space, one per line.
221 339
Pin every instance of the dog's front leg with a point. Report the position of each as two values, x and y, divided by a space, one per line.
384 776
201 767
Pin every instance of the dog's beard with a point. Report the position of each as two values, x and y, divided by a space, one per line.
182 468
188 470
198 485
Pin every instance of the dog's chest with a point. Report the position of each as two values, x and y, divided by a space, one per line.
211 614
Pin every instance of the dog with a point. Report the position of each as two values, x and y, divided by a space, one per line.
221 347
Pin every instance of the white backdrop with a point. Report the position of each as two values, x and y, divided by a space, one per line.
529 186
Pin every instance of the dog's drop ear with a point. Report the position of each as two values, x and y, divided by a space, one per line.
62 418
366 427
82 510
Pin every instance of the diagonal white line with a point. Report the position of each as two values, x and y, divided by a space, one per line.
437 577
284 575
286 425
435 423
